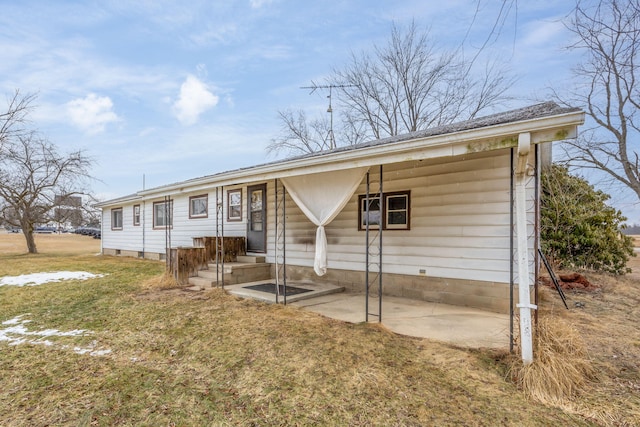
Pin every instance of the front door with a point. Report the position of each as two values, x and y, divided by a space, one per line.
257 218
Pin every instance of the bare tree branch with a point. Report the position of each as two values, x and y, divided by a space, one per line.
609 35
13 120
299 136
406 85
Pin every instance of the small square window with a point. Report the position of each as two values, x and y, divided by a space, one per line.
234 205
116 219
136 214
198 206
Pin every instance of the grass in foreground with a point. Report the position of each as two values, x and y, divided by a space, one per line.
186 358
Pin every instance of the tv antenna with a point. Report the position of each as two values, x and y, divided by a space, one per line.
314 87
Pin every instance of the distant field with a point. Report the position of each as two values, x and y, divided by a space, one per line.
69 244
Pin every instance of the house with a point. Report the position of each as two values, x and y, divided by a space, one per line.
448 214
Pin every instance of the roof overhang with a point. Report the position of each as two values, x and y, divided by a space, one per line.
550 128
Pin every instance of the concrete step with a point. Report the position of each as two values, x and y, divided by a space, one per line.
209 274
250 259
235 272
200 282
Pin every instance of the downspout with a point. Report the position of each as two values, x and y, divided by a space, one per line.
524 302
511 260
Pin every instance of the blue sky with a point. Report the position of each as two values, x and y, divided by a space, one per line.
174 90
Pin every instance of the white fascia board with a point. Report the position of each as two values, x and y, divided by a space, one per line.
118 201
544 129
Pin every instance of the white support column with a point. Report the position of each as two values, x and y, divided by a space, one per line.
525 306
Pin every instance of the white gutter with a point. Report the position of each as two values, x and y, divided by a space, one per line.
524 291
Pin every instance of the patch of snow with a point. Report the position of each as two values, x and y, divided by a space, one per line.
37 279
16 320
16 333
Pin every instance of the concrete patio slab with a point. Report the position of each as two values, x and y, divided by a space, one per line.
463 326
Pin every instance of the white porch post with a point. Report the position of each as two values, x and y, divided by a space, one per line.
525 306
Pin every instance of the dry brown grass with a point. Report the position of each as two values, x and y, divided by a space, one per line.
561 369
588 357
52 244
208 358
160 282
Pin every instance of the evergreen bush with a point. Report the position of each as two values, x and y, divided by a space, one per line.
578 228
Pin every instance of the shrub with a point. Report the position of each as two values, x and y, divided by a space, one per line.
578 228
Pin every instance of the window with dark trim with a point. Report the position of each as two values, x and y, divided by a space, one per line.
116 219
162 214
136 214
394 213
234 205
371 213
198 206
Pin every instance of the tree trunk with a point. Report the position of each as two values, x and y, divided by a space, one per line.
28 235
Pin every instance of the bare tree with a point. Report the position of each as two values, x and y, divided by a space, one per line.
34 179
407 85
300 136
13 120
607 86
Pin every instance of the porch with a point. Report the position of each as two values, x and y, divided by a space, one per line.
457 325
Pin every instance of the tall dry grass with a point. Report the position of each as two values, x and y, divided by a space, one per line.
561 369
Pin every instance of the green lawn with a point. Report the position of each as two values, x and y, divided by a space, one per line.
173 357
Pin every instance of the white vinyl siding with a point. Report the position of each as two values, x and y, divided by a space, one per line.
129 238
460 221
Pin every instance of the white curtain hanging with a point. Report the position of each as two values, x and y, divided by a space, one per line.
321 196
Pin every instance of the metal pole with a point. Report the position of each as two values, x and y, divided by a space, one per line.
366 259
222 232
537 231
275 241
380 251
217 235
284 242
167 234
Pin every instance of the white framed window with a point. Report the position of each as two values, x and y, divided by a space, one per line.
396 211
136 214
198 206
163 214
116 219
234 205
393 214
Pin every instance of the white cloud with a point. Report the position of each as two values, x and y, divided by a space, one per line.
92 113
544 32
195 98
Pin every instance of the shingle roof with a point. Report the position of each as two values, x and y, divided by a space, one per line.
536 111
527 113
